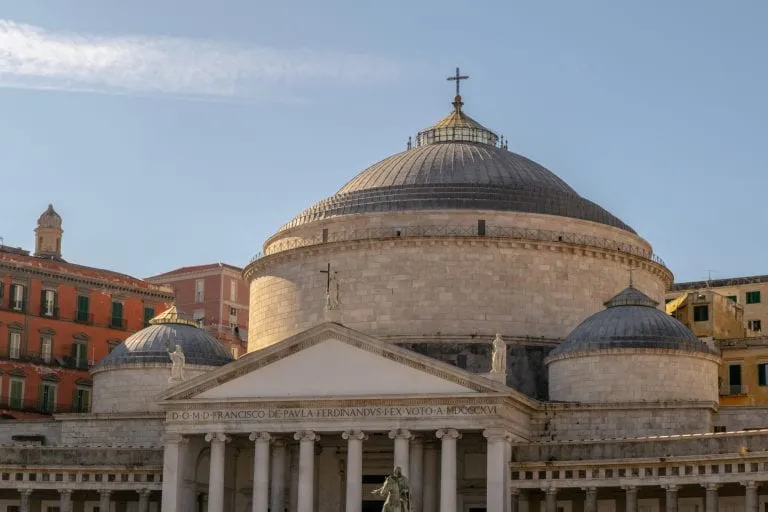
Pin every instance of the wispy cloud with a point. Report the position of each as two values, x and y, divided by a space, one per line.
32 57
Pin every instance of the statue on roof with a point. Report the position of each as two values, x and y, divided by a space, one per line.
499 358
177 363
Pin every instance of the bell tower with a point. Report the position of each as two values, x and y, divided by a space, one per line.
48 234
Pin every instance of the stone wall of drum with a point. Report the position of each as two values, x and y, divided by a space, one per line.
446 286
633 375
133 389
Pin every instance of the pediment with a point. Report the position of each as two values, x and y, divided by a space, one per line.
331 360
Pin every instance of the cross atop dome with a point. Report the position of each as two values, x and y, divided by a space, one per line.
458 77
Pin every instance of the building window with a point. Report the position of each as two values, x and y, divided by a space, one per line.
734 379
83 314
733 298
117 320
47 398
720 428
233 290
754 325
18 297
701 313
753 297
14 345
233 312
762 374
16 393
149 314
46 347
80 354
199 317
199 290
48 303
81 401
235 351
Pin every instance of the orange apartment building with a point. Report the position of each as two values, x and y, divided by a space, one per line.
57 319
216 297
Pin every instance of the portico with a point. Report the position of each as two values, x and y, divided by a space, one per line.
325 430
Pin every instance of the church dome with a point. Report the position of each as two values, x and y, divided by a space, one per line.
152 344
631 320
457 164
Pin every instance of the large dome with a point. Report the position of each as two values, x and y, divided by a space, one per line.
457 164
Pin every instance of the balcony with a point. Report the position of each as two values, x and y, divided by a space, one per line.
16 305
49 312
41 407
117 323
83 317
733 390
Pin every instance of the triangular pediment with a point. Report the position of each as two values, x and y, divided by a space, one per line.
331 360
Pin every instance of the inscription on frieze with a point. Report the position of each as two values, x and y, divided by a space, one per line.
322 413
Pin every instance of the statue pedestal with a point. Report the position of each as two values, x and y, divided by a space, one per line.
499 377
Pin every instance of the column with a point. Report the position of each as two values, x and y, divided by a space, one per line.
24 499
631 498
277 493
511 504
496 472
429 491
144 500
550 503
448 469
355 440
523 502
402 438
173 467
590 502
306 485
750 500
65 500
514 495
711 502
416 477
104 500
260 489
216 473
672 498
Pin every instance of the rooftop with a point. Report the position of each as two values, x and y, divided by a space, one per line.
195 268
718 283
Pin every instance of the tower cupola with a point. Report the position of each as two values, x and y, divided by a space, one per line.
48 234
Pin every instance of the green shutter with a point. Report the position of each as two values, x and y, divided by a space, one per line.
41 397
82 360
15 394
149 314
82 304
75 405
117 310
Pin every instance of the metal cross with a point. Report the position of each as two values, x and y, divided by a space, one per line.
328 278
458 77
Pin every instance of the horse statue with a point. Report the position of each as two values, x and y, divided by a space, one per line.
398 495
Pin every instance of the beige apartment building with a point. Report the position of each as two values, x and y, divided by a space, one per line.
749 292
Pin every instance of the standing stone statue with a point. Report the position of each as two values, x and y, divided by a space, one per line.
332 295
177 363
499 358
396 491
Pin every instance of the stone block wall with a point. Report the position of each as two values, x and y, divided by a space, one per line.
743 417
633 375
114 429
50 430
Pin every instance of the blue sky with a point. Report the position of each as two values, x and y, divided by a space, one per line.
183 132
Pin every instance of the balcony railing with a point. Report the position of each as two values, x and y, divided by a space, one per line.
41 407
49 312
117 323
16 305
83 317
733 389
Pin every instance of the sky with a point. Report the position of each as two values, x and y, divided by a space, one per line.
184 132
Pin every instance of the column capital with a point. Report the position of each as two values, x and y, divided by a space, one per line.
711 486
355 435
448 433
306 435
589 490
217 436
144 492
497 434
105 492
750 484
671 487
65 492
260 437
400 433
25 492
629 488
278 441
549 490
514 491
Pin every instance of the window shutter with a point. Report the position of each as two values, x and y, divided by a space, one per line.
43 308
12 294
75 404
761 374
117 310
41 397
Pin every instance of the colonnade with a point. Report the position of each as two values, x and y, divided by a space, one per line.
66 500
417 461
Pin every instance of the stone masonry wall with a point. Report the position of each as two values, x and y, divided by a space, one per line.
744 417
147 430
632 375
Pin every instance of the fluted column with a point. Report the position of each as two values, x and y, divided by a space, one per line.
144 500
671 498
104 500
277 480
631 498
173 468
711 502
355 440
217 469
24 499
590 500
496 469
402 439
429 501
750 499
65 500
306 486
416 475
448 437
260 488
550 501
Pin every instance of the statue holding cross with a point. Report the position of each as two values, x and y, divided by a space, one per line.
331 288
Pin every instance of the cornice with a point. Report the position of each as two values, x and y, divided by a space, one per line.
78 280
259 266
665 352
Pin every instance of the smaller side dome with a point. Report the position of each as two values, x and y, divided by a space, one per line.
49 218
